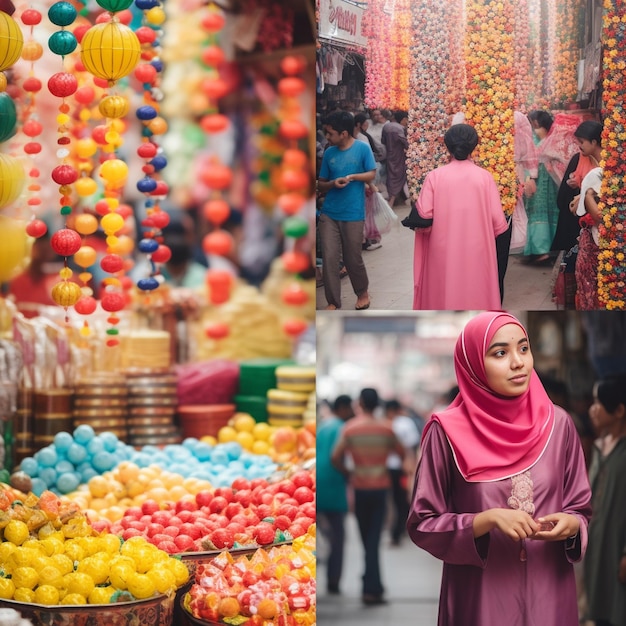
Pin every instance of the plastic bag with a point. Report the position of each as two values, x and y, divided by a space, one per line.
207 382
384 217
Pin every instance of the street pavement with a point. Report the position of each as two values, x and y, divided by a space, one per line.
390 271
411 578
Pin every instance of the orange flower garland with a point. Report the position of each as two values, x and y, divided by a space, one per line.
428 117
378 29
400 42
490 90
612 262
454 96
566 55
536 65
523 52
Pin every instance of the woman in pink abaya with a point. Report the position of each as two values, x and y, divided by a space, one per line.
455 263
501 492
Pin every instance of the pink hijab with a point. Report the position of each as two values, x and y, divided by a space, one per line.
493 437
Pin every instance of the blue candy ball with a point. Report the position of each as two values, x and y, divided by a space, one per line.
48 475
84 433
109 440
76 454
87 474
63 441
146 185
95 445
64 466
158 162
38 486
148 245
147 284
103 461
67 482
47 457
29 466
146 113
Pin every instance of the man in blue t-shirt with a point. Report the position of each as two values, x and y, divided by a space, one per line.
347 165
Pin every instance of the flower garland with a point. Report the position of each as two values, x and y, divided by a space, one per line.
566 54
428 119
377 28
454 96
612 262
523 53
490 91
399 53
549 47
536 65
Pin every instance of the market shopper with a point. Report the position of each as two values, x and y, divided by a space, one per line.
347 166
605 560
405 429
455 264
368 442
394 138
502 495
331 488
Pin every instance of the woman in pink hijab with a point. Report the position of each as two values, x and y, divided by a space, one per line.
501 491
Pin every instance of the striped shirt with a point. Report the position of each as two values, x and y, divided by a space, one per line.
368 442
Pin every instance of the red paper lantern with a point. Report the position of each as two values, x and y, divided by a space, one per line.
36 228
295 159
294 295
217 330
32 84
295 262
162 254
66 242
294 180
293 129
215 88
290 203
291 86
112 263
218 242
214 123
145 73
292 65
31 17
216 211
64 175
294 327
217 176
86 305
213 22
160 219
32 128
147 150
219 279
213 55
62 84
113 301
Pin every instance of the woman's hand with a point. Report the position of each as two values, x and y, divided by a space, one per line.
571 181
515 524
573 205
530 188
565 526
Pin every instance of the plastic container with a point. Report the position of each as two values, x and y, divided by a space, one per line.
199 420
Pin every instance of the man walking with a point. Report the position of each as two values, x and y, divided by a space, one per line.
395 141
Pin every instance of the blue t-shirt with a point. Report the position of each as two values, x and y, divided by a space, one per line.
331 484
346 204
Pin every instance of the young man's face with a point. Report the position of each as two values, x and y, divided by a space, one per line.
333 137
377 118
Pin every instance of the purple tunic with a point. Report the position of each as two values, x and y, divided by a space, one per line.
485 581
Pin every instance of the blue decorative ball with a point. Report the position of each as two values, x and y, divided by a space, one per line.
147 246
62 13
158 162
146 185
63 42
148 284
146 112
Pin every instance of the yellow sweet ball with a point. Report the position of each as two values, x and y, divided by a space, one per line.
101 595
141 586
24 594
163 579
85 256
85 186
85 223
114 106
226 434
262 431
260 447
112 222
210 439
26 577
74 599
155 16
245 439
179 569
86 148
7 588
47 594
16 532
244 422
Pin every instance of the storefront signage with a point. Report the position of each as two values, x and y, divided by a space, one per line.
341 21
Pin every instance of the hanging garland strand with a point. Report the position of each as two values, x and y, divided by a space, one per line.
490 91
612 263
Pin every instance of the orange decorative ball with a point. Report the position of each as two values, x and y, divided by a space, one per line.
218 242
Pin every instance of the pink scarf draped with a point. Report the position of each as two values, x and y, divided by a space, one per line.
493 437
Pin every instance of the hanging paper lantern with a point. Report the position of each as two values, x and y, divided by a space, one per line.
213 21
217 330
112 263
291 86
113 6
114 106
86 305
112 223
14 247
66 242
290 203
85 256
293 129
162 254
214 123
294 295
110 51
85 224
62 84
63 42
32 51
148 284
66 293
11 179
113 301
219 242
216 211
115 172
217 176
36 228
64 175
213 56
7 117
11 41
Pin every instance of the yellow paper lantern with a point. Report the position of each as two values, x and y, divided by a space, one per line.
14 247
114 106
86 256
66 293
115 172
111 223
110 50
11 179
86 186
11 41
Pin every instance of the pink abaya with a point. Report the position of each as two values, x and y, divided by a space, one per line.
455 263
492 580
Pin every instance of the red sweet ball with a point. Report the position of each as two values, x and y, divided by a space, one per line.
62 84
218 242
85 95
86 305
145 34
216 211
66 242
64 175
294 327
112 301
147 150
32 128
217 330
294 295
146 73
36 228
295 262
160 219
